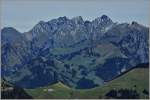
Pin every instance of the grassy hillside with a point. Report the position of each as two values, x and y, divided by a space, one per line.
137 79
58 90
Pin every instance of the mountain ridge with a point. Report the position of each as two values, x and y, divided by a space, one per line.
73 51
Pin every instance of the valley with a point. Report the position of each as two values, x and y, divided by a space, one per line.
127 81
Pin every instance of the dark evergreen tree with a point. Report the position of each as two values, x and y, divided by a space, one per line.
123 94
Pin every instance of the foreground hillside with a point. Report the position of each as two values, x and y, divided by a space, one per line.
9 91
136 81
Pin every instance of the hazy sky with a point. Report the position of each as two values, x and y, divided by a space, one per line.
24 14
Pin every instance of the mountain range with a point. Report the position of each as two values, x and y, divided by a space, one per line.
79 53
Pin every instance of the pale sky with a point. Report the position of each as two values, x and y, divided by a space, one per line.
24 14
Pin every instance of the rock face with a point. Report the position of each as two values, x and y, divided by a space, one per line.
81 54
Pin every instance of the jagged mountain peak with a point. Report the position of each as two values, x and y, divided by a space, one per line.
10 34
9 30
64 18
136 26
40 23
104 21
78 19
134 23
40 27
103 18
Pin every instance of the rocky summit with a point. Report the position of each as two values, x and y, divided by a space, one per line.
77 52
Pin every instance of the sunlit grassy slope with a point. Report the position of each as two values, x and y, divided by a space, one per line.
135 79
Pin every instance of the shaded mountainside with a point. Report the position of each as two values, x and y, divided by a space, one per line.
73 51
128 84
9 91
